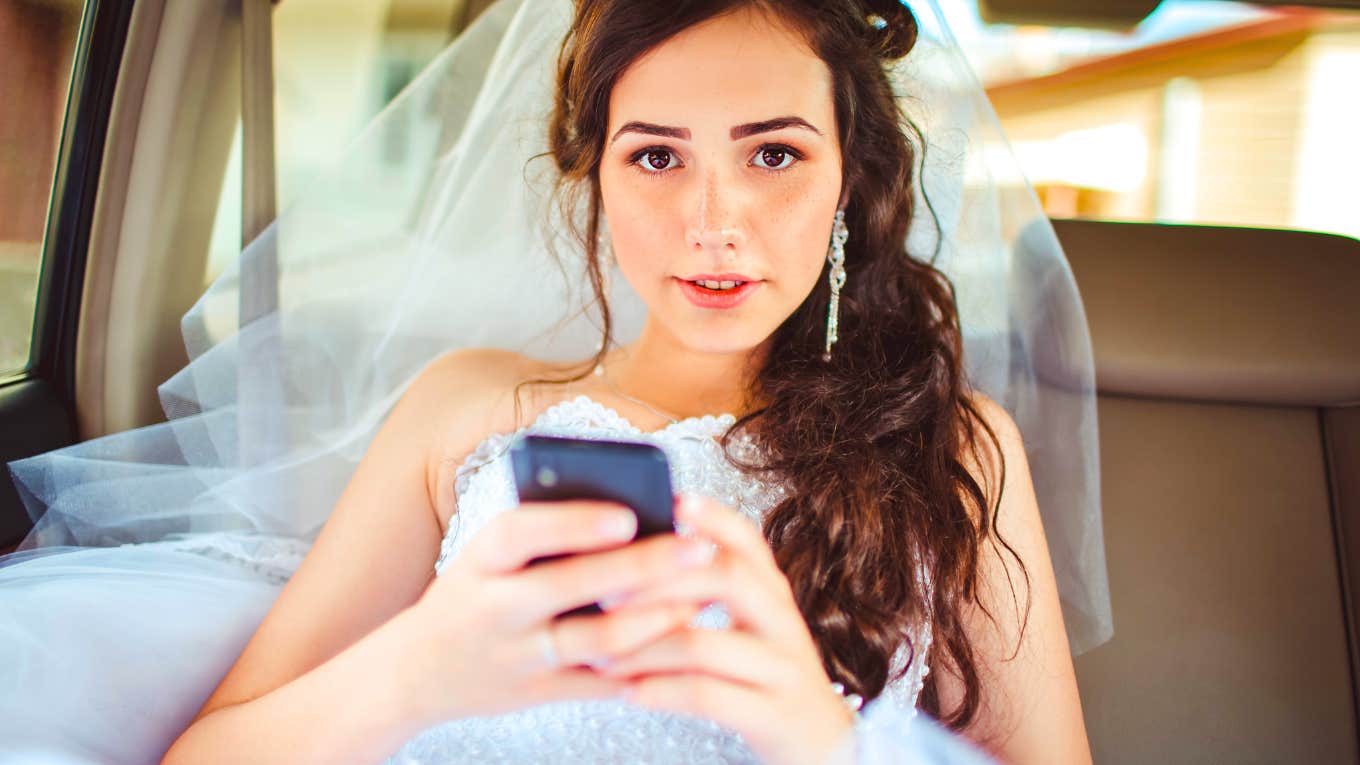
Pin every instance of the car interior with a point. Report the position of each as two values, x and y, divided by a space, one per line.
1229 448
1227 368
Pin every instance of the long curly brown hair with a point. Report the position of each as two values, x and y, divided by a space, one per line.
871 444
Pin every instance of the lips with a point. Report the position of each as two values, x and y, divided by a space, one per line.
730 297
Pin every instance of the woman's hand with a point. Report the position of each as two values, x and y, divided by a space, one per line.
484 638
763 677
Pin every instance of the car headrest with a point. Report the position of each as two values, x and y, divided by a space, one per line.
1220 314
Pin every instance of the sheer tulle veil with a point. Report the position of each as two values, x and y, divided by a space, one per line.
433 232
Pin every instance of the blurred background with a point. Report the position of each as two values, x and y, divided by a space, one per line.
1205 112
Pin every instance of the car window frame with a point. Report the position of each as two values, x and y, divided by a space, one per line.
94 76
37 410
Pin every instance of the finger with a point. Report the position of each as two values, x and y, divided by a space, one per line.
512 539
732 531
598 640
573 683
726 703
735 656
750 601
561 585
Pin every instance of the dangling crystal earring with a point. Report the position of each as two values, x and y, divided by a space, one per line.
836 257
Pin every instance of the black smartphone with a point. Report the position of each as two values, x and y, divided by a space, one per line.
635 475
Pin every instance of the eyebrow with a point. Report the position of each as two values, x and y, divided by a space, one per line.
737 133
766 126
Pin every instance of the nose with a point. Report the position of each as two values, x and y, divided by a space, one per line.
715 224
717 239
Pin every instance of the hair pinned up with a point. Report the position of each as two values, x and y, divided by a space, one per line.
892 27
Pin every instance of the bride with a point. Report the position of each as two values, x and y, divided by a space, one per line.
860 523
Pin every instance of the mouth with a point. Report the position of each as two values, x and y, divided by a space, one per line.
718 290
719 282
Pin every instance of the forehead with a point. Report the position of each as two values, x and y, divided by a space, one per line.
739 67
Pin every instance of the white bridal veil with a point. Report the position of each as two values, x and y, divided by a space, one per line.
432 233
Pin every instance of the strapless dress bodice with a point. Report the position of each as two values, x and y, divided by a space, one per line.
611 731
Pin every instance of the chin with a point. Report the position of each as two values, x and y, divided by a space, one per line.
729 332
732 340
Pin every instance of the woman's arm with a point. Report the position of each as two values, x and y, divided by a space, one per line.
352 708
320 679
1031 711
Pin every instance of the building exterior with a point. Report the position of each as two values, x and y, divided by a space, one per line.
1253 124
37 40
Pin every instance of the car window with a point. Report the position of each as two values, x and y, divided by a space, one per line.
37 47
335 66
1207 112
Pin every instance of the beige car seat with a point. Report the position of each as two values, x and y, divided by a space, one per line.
1228 370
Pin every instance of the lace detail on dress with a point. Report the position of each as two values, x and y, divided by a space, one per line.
274 558
611 731
484 483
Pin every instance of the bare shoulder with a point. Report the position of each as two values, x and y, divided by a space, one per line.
479 387
469 369
995 416
473 393
992 447
996 459
992 451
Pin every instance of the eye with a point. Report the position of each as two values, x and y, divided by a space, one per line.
654 160
775 157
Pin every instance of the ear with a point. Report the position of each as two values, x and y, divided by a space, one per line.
845 197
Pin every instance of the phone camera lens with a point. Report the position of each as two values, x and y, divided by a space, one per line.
547 477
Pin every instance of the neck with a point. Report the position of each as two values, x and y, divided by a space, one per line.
684 381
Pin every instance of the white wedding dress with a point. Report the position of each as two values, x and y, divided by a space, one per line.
111 651
609 731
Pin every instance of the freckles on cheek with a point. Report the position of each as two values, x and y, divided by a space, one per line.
637 243
644 223
797 231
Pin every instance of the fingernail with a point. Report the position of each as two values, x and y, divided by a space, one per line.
601 663
619 526
697 553
614 601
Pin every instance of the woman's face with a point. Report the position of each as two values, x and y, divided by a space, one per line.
722 164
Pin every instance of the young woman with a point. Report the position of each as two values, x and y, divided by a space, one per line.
861 522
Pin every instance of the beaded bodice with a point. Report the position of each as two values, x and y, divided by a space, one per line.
610 731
